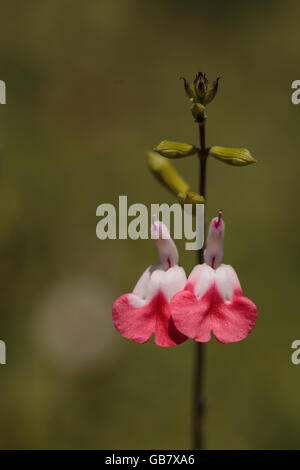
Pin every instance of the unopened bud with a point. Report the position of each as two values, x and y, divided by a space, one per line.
164 171
191 198
201 91
200 84
232 156
198 111
170 149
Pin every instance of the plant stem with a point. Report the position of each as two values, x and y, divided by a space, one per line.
198 399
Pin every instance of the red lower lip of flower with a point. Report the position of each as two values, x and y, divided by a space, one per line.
197 318
139 323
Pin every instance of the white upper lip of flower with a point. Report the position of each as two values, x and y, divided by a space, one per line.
224 277
155 279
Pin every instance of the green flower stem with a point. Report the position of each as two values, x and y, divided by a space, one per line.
198 399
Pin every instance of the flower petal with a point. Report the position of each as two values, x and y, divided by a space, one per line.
213 253
232 321
212 301
156 279
137 319
166 333
227 282
201 279
166 247
173 281
191 315
133 322
141 287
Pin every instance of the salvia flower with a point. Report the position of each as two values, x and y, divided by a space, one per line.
146 310
212 300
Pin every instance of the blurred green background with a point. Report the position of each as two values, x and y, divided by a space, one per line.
90 87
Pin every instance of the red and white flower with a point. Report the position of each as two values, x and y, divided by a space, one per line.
212 299
147 309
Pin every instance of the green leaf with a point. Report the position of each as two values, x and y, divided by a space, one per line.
166 174
232 156
170 149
